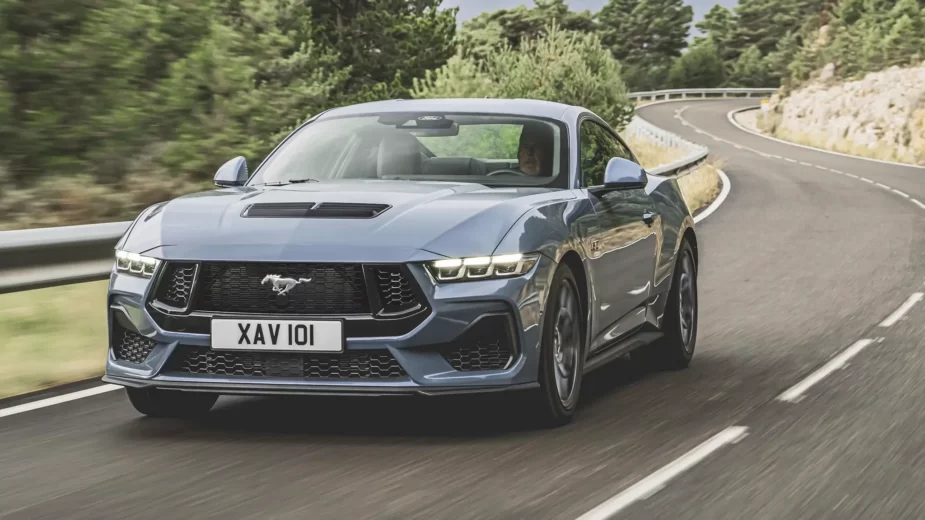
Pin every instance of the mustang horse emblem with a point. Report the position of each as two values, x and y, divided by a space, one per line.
283 285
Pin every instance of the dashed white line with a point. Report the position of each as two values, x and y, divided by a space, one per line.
903 309
777 157
739 147
788 159
796 392
865 179
884 186
838 171
917 203
823 168
655 482
51 401
901 194
805 163
853 176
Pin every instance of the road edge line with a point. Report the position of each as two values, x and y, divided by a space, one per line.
718 201
59 399
731 118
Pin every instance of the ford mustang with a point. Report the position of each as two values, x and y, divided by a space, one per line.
409 247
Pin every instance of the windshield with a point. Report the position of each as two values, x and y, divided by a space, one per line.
487 149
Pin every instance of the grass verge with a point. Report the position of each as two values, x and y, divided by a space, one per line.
58 335
52 336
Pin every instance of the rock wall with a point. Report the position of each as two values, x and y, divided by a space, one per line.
880 116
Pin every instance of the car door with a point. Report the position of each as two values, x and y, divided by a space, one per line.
623 244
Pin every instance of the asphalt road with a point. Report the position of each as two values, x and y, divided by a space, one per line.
798 264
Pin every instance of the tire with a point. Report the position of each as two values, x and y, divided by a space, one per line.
155 402
675 349
561 350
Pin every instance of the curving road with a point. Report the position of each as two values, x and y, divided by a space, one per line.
800 263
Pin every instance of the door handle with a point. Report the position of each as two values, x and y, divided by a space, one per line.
648 217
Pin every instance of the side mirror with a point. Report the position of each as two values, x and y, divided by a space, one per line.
232 173
623 174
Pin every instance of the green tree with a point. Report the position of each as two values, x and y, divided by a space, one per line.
489 30
645 36
384 44
750 69
562 66
255 76
700 67
718 25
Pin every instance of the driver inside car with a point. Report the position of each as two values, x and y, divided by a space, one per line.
536 149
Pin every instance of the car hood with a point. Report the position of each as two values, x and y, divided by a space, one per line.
425 220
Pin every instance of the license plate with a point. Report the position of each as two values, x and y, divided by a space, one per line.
278 335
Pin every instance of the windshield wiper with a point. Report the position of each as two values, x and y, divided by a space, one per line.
290 181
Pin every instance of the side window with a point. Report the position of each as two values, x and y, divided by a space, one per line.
598 147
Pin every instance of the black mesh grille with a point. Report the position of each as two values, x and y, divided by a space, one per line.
248 288
395 290
176 284
486 346
130 346
362 364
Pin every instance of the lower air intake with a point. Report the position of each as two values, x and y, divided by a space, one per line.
130 346
361 364
487 345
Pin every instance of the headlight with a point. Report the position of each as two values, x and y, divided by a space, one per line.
482 267
136 264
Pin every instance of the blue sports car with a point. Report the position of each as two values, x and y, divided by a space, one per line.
409 246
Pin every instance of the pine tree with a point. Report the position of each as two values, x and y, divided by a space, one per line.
700 67
750 69
645 36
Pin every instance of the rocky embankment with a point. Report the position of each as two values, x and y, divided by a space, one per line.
881 116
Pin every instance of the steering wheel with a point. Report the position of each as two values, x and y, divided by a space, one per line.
506 170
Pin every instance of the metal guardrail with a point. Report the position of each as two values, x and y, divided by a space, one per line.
37 258
683 93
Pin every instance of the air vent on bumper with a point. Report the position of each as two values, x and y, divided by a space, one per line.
313 210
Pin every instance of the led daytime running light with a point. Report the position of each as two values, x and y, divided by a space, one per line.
133 263
482 267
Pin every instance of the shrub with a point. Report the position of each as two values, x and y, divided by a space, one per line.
561 66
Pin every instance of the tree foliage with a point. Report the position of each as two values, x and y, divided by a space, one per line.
701 67
562 66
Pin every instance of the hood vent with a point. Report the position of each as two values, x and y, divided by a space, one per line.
313 210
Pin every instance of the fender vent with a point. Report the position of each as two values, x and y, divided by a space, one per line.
313 210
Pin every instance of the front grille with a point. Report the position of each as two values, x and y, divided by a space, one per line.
395 290
130 346
176 284
248 288
361 364
487 345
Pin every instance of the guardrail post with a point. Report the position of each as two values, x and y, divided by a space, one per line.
725 94
683 95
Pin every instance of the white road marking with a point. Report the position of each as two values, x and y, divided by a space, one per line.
823 168
898 314
838 171
731 118
51 401
795 393
739 147
853 176
777 157
884 186
719 199
919 204
901 194
805 163
865 179
788 159
655 482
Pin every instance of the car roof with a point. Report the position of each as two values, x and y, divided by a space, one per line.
526 107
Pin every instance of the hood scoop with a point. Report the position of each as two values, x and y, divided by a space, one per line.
314 210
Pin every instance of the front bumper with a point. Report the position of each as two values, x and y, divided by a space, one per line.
454 311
